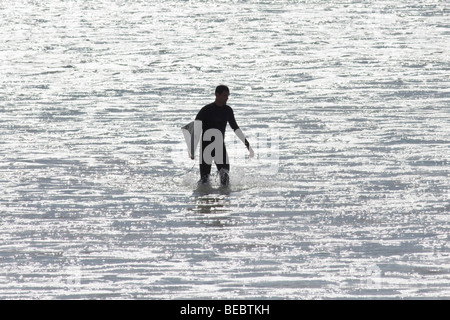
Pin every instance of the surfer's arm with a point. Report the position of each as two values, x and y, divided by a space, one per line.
239 133
242 137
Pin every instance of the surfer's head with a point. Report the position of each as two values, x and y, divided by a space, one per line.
222 93
220 89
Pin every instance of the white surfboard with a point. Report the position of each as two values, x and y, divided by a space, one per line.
188 132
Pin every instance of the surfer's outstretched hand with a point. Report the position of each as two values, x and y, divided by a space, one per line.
252 153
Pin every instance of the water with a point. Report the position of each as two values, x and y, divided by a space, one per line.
349 197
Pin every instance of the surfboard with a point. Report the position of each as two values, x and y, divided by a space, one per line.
188 133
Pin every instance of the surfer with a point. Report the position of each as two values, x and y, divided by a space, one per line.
210 124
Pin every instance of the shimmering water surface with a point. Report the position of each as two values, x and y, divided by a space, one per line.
345 102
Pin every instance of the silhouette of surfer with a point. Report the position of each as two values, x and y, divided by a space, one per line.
210 125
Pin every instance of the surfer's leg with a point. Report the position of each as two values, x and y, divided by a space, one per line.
205 170
205 165
224 176
224 168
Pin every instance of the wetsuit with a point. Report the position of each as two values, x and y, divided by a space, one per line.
215 117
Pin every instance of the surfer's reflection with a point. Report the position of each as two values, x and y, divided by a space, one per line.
214 211
209 205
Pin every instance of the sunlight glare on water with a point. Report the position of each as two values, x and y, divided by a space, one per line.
345 102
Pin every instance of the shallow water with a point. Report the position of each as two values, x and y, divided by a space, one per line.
346 104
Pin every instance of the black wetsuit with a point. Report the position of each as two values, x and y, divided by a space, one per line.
215 117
